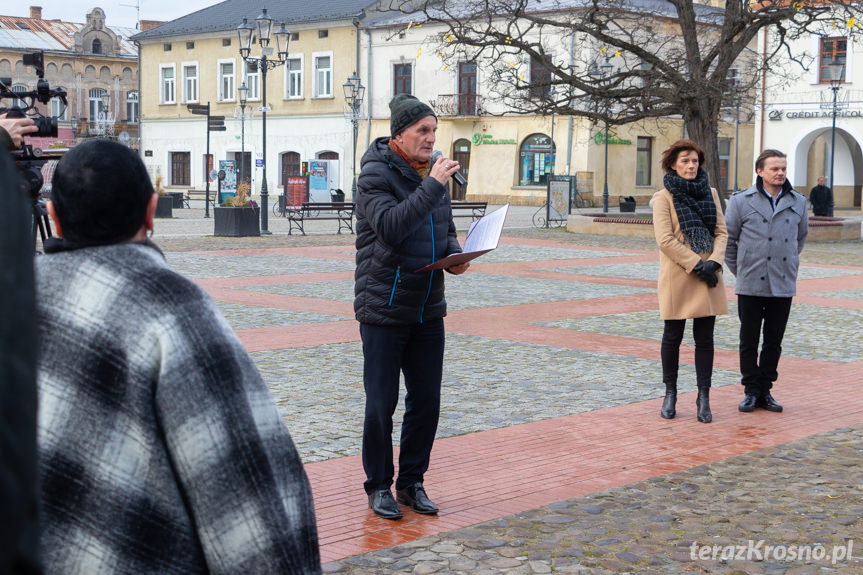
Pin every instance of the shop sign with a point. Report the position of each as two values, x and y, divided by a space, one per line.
599 138
814 114
485 139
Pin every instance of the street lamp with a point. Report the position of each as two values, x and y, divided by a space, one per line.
602 73
244 97
837 77
283 38
354 92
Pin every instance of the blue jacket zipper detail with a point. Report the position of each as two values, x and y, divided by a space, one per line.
431 273
395 282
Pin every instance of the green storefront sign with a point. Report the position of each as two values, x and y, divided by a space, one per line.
486 139
599 138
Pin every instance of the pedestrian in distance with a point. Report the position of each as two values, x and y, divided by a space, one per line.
690 232
161 449
404 222
767 228
821 198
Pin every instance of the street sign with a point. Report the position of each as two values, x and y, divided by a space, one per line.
218 129
217 119
259 162
200 109
264 108
214 173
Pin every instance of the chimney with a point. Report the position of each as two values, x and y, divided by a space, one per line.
149 24
36 12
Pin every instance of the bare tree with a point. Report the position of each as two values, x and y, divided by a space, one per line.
621 61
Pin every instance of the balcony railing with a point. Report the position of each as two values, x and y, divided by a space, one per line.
458 105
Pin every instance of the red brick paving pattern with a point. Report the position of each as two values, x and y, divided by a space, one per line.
490 474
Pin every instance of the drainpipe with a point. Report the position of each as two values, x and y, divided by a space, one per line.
764 91
369 98
569 123
140 98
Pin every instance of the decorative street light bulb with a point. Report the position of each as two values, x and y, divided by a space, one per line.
283 40
244 94
265 27
244 31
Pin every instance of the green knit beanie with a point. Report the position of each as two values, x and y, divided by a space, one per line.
405 110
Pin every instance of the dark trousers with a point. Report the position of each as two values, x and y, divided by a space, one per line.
672 335
767 315
416 351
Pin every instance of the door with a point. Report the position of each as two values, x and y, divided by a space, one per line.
467 88
461 154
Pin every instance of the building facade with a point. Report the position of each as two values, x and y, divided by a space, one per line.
196 60
815 114
95 63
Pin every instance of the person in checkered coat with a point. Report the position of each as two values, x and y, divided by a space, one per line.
161 449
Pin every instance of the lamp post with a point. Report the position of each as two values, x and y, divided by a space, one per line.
354 93
837 76
283 38
244 97
602 74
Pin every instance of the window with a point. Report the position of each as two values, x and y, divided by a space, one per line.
208 167
643 160
58 108
17 102
323 75
98 110
323 33
226 42
226 80
180 173
724 163
294 78
190 82
540 79
295 36
252 75
190 45
97 46
132 110
833 52
327 155
167 91
166 47
402 76
467 88
536 160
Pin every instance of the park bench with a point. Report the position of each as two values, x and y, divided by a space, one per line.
473 210
200 195
343 212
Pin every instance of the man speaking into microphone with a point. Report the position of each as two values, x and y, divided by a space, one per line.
404 222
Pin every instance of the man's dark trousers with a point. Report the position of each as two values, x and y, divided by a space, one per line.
758 374
417 351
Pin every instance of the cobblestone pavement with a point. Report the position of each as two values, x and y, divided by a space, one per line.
803 492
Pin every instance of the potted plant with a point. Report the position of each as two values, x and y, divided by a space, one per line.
239 215
165 207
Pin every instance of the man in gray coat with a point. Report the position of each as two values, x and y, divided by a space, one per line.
767 226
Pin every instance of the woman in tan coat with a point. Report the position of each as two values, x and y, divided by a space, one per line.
690 231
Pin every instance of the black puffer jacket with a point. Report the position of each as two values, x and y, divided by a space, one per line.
404 222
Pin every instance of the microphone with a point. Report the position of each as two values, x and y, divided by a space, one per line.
437 155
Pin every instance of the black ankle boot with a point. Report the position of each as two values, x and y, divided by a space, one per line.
702 402
668 406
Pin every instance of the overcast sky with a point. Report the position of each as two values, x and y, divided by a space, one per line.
117 12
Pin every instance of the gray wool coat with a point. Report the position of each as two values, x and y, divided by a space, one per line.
763 245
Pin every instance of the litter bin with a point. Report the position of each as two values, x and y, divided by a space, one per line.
627 203
337 195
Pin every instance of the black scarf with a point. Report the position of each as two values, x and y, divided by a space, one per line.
695 208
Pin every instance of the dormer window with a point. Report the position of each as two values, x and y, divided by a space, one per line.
97 46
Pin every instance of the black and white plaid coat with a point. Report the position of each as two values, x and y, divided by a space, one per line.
161 449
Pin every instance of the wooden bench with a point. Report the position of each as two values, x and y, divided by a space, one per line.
472 210
343 212
200 195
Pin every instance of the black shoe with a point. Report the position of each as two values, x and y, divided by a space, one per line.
767 402
749 403
415 496
668 410
383 504
702 402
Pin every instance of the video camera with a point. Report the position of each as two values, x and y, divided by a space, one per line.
28 159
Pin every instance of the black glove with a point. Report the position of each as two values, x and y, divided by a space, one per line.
706 272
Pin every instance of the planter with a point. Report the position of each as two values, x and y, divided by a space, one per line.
165 207
237 221
178 199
